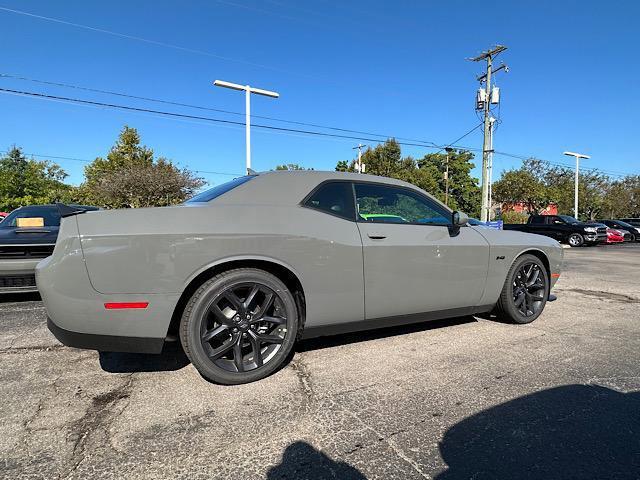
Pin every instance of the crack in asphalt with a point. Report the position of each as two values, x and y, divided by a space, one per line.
97 417
616 297
303 373
35 348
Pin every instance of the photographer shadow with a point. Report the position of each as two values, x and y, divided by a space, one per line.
568 432
301 461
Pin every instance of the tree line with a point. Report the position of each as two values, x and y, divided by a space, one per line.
537 184
131 176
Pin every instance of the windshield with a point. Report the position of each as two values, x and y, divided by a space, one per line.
33 217
218 190
624 224
568 219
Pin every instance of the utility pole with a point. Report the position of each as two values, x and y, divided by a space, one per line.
360 167
446 177
492 122
248 91
488 56
575 190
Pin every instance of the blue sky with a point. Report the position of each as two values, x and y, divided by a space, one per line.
394 68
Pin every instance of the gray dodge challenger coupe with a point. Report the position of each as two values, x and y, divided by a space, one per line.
241 271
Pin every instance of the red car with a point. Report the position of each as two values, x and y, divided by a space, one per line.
614 236
3 215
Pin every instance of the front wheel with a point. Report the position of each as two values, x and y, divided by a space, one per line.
239 326
576 240
525 291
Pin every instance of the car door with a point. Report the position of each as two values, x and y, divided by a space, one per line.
558 228
414 261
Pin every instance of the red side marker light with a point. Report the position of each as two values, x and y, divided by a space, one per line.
555 275
125 305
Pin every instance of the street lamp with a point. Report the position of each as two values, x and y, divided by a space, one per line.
248 91
575 198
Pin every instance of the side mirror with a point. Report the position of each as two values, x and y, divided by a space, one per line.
459 218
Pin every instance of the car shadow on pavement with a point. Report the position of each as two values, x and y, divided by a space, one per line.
302 461
573 431
362 336
20 297
172 358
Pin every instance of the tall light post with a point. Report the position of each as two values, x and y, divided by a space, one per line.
575 193
248 91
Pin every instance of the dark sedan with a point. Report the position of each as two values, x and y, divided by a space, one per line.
27 235
631 233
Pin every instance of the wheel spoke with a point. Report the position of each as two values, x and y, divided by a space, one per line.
537 298
233 299
220 316
251 297
255 346
212 333
270 319
532 280
269 338
519 299
237 354
221 350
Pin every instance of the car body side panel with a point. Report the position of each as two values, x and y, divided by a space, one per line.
505 247
421 268
74 305
138 256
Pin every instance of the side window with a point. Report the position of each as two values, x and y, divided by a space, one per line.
386 204
335 198
557 221
537 220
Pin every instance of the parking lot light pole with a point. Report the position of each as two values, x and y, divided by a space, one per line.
248 91
575 193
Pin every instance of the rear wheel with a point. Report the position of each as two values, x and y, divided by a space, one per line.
576 240
525 291
239 326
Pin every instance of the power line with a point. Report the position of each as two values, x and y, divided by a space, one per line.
197 117
278 129
85 160
200 107
144 40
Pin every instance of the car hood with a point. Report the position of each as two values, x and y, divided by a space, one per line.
28 236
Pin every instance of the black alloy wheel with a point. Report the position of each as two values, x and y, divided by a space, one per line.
239 326
528 289
244 327
525 290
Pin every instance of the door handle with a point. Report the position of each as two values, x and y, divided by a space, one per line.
376 236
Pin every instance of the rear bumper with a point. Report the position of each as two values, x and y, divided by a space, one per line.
105 343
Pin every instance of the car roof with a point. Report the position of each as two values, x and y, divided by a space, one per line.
290 187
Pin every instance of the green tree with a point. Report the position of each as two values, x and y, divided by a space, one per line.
464 192
26 181
130 177
524 185
427 173
291 166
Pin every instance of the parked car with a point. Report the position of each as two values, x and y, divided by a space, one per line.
241 271
27 235
633 232
614 236
562 228
632 221
3 215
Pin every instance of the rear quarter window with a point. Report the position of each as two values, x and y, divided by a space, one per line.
219 190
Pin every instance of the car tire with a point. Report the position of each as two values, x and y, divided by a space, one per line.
253 339
516 296
575 240
632 238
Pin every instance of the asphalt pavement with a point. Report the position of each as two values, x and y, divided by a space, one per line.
464 398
